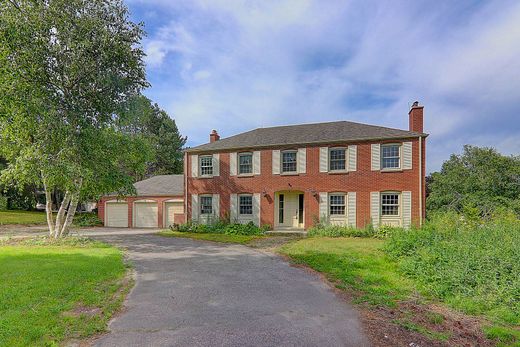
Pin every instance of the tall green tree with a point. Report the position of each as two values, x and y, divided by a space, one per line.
66 68
480 178
143 118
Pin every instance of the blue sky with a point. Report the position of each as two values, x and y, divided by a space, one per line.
237 65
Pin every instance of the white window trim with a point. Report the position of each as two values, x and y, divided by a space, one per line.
248 174
399 205
329 159
345 204
200 205
381 159
212 166
295 172
252 206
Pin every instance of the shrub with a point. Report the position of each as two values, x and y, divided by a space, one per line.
339 231
472 265
3 202
329 230
87 219
220 227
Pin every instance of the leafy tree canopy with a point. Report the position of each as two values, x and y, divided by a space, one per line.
480 178
66 68
141 117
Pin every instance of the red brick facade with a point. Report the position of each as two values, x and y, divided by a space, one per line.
362 181
179 218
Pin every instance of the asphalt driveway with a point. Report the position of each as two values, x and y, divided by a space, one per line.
197 293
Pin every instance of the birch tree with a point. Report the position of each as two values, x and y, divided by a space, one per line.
66 67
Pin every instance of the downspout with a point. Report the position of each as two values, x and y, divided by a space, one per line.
420 183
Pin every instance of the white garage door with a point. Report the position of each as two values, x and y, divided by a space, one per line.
170 210
145 215
116 214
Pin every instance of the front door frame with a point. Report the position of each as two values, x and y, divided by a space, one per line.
291 202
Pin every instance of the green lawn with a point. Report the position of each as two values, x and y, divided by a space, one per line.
22 217
240 239
51 293
360 266
356 263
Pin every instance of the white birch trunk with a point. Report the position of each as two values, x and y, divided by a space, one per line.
61 213
71 211
48 208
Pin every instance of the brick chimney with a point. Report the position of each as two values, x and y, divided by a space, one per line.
416 117
214 136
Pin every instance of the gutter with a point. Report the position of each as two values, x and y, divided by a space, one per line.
231 149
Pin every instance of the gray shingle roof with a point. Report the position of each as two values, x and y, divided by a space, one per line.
161 185
330 132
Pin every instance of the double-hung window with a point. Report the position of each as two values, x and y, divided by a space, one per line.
390 204
337 204
337 159
245 204
289 161
245 163
206 165
206 205
390 158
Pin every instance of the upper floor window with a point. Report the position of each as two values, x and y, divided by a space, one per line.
206 165
390 158
289 161
245 163
337 204
389 204
206 205
245 204
337 159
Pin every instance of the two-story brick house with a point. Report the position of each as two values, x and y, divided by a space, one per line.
290 176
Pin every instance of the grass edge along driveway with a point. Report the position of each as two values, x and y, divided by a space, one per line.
8 217
50 293
360 267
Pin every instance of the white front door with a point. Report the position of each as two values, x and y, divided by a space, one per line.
288 210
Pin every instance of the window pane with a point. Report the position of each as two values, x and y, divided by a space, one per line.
337 204
245 163
289 162
337 159
206 165
246 204
390 156
206 205
390 204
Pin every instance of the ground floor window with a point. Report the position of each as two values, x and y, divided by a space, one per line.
389 204
245 204
337 204
206 205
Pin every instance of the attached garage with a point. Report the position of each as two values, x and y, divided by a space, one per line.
116 214
146 214
158 202
172 209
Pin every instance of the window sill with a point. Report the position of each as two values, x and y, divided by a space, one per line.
392 170
245 175
338 172
289 173
206 176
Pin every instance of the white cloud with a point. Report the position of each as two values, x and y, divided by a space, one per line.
235 65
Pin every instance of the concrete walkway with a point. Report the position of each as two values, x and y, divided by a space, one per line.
197 293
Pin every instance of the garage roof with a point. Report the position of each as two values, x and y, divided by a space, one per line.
161 185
